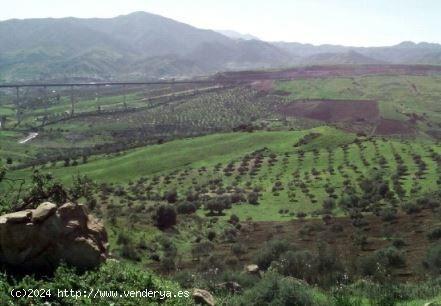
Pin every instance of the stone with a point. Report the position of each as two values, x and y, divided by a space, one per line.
40 239
231 287
23 216
43 212
252 269
203 297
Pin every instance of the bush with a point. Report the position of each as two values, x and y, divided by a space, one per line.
298 264
411 208
271 251
388 214
186 208
165 216
109 277
435 234
253 198
432 262
394 257
273 289
171 196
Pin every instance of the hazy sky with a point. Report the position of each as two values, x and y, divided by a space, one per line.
349 22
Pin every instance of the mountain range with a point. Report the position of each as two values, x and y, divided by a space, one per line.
145 46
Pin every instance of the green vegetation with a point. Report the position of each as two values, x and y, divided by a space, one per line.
193 184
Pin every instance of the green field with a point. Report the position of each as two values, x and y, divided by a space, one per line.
397 95
273 173
326 161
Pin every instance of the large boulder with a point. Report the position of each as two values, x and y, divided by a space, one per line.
203 297
41 238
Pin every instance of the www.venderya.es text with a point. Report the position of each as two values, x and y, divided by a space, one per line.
94 293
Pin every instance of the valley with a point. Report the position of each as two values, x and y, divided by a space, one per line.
345 164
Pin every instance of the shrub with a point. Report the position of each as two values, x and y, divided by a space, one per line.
253 198
411 208
394 257
388 214
271 251
435 234
238 249
274 289
186 207
233 219
171 196
110 276
165 216
211 235
298 264
432 261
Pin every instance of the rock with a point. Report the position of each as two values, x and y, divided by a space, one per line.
432 304
16 217
232 287
252 269
43 212
40 239
203 297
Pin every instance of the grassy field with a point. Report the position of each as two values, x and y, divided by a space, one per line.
236 143
326 161
397 95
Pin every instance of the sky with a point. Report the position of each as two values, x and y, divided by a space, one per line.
345 22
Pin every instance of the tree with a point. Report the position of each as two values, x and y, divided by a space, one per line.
201 249
165 216
216 206
328 204
186 207
171 196
253 198
238 249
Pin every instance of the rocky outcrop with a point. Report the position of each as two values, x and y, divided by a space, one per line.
252 269
203 297
41 238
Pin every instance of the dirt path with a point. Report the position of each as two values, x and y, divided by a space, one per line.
28 138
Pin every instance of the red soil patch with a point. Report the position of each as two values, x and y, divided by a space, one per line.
412 229
391 126
333 110
327 71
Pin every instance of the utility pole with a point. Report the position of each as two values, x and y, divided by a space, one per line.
124 100
46 105
72 101
17 103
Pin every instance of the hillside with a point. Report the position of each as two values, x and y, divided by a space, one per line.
403 53
346 58
134 46
143 45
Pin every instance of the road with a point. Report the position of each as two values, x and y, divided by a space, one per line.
30 137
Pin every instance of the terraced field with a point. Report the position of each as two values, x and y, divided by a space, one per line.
292 171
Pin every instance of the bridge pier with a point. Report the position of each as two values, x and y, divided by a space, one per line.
125 97
17 104
72 101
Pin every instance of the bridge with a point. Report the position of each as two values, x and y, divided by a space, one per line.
72 86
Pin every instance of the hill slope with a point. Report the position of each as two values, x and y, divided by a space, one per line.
122 46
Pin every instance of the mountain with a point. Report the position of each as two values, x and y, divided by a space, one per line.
144 46
138 45
345 58
403 53
237 35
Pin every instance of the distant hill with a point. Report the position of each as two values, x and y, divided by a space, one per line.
346 58
403 53
237 35
139 45
143 46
